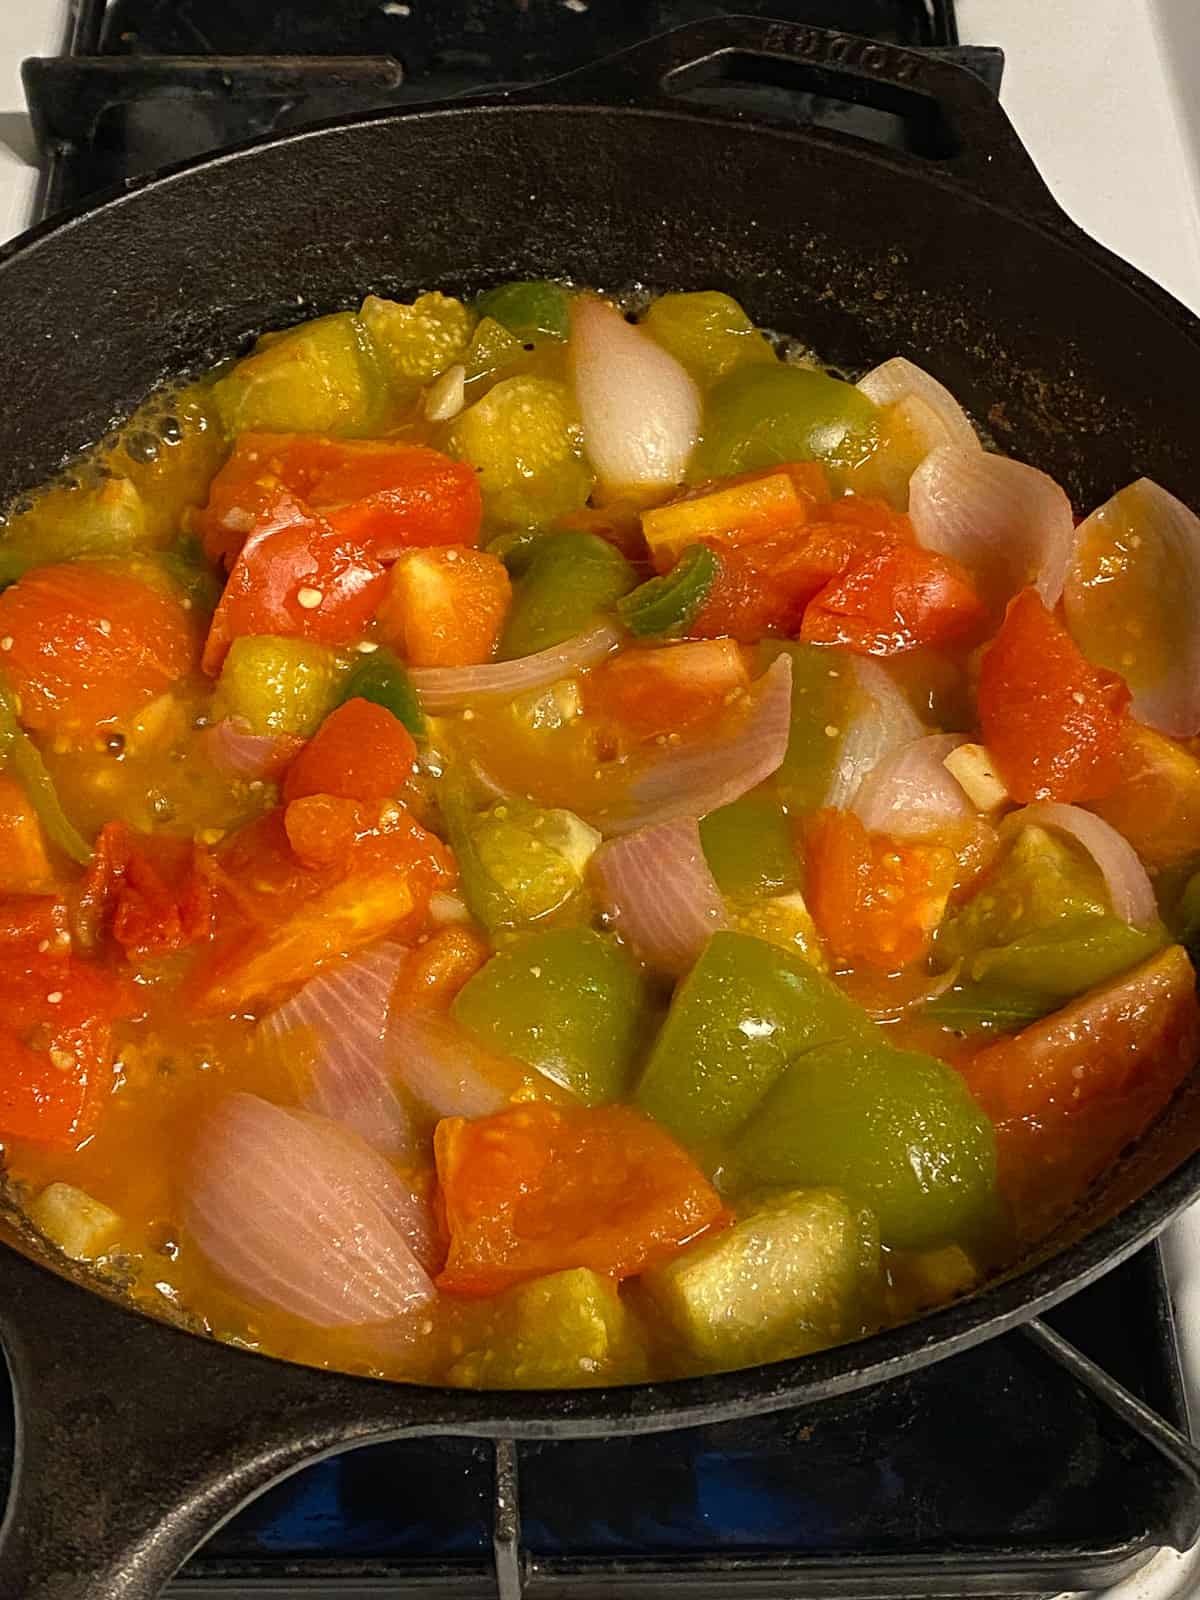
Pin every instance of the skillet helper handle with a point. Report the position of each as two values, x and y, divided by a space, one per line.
979 148
135 1442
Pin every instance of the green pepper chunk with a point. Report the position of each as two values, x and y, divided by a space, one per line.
763 416
516 548
527 307
382 679
524 862
663 607
567 1001
748 846
573 579
742 1013
19 750
1185 918
106 519
799 1271
189 570
897 1130
278 685
322 377
708 333
822 700
524 440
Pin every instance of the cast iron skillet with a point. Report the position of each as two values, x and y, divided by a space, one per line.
136 1439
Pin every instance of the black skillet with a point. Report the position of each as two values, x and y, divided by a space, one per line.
135 1438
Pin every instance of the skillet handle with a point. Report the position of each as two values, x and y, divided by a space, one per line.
962 129
134 1441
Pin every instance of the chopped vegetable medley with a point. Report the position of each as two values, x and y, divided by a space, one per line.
546 844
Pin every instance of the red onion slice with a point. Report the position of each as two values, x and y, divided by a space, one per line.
692 779
639 407
1007 523
1132 600
303 1215
911 790
448 1071
341 1015
897 381
238 753
881 721
1129 889
656 889
444 689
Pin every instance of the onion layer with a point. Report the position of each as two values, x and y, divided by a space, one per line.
1132 599
444 689
881 721
1007 523
1129 889
238 753
340 1016
911 791
692 779
639 407
657 890
303 1215
939 416
450 1073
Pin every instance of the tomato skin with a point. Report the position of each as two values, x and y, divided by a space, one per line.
297 577
445 607
152 894
439 968
360 752
876 900
90 646
1053 723
653 693
898 598
541 1188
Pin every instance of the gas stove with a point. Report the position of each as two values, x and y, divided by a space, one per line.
1035 1464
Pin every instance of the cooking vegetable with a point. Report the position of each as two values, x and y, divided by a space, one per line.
81 1226
783 920
877 722
1131 596
533 861
1052 722
1156 804
567 1002
639 408
654 693
24 864
895 1129
448 1072
571 582
1130 893
899 380
239 753
708 333
24 759
445 608
415 342
798 1271
105 519
742 1013
523 440
543 1188
760 416
444 689
749 846
741 513
656 891
298 1213
322 377
528 307
664 606
278 686
381 679
360 752
896 599
912 791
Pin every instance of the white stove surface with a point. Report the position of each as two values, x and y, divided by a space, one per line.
1103 94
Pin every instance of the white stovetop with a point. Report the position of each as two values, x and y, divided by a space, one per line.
1103 92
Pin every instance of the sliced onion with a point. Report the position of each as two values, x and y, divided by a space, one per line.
882 721
1129 889
910 789
656 889
301 1214
938 417
1140 613
639 407
692 779
341 1016
447 688
446 1068
1007 523
234 750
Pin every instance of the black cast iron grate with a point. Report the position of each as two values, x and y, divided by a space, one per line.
996 1472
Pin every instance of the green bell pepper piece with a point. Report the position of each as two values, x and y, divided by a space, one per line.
799 1271
528 307
190 571
18 750
278 685
742 1013
382 679
1185 918
536 858
763 416
573 579
106 519
663 607
748 846
524 440
708 333
567 1001
823 692
897 1130
516 548
322 377
780 919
